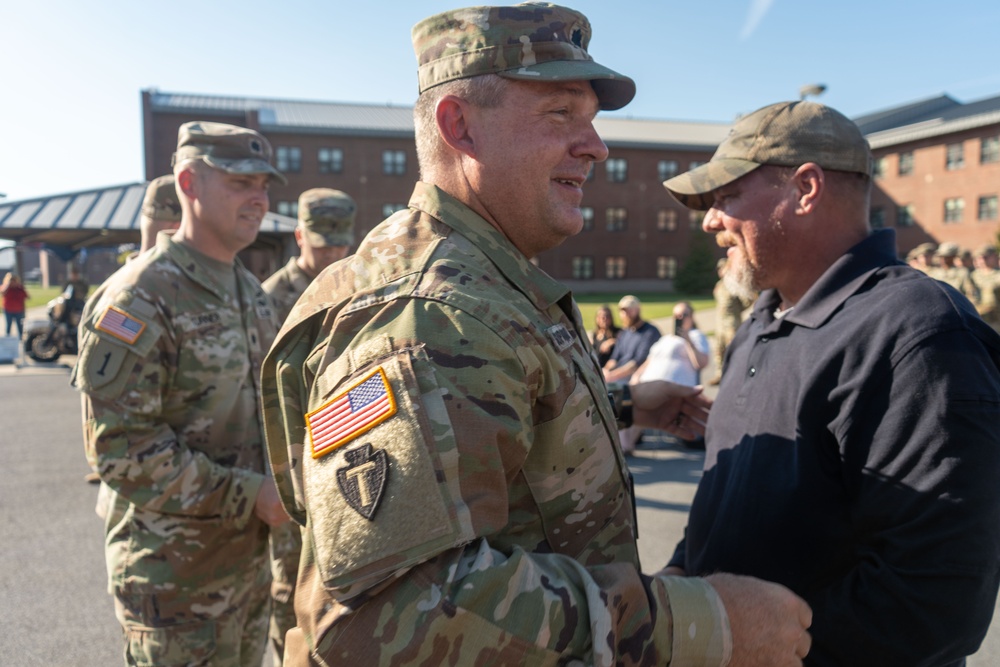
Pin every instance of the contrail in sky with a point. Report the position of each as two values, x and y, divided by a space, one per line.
758 8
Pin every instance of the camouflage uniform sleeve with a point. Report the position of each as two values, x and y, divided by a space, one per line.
455 557
138 454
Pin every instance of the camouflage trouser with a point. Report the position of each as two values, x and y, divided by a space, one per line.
286 545
175 629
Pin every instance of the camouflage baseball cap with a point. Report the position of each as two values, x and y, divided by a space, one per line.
160 202
231 148
327 217
786 134
948 250
534 41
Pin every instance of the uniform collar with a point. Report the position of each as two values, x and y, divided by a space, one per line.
197 266
535 284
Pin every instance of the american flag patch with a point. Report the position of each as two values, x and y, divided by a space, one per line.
358 410
120 325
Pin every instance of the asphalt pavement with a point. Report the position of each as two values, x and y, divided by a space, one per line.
54 606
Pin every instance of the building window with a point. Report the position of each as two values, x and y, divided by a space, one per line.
953 208
989 151
667 169
988 208
617 219
288 159
393 163
666 267
614 268
289 208
617 169
583 268
588 217
695 164
666 220
331 160
906 163
954 157
389 209
905 216
878 171
876 217
695 218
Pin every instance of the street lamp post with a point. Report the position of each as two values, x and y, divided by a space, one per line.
811 90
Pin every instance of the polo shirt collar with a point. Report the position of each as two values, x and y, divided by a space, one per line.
844 278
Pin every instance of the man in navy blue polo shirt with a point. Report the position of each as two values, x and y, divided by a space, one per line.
853 453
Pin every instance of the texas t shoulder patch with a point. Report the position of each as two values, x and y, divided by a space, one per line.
120 324
362 481
365 405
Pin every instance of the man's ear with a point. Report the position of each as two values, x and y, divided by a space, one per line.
455 118
810 186
185 182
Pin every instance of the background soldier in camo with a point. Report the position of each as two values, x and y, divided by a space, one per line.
161 210
171 347
950 270
324 235
987 277
437 419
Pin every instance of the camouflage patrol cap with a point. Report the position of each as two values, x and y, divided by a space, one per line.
230 148
160 202
948 250
786 134
534 41
327 217
986 250
922 249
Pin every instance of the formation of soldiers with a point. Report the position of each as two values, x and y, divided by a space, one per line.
976 274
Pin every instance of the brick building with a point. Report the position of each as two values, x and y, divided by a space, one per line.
635 237
937 179
937 171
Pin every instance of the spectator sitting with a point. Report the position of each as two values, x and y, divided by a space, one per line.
677 357
604 335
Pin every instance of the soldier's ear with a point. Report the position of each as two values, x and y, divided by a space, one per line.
185 182
455 117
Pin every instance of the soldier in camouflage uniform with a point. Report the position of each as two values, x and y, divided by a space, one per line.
170 355
161 210
987 277
921 257
729 309
324 235
950 270
439 424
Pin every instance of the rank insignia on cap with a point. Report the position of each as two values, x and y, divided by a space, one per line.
362 481
346 416
560 337
121 325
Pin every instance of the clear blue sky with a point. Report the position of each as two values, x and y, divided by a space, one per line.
71 72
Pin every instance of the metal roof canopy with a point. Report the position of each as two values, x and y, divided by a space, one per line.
67 223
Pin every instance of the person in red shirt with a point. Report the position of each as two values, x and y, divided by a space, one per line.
14 295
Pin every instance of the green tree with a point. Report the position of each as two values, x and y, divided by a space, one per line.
697 275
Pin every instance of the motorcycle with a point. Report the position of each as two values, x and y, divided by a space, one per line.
47 340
